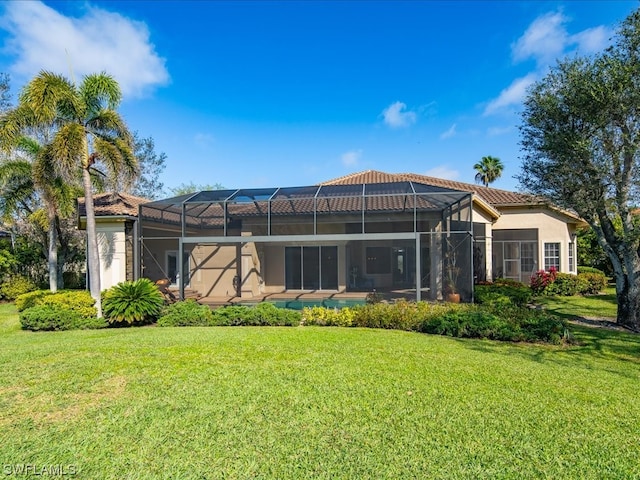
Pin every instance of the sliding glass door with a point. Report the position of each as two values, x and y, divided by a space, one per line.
311 268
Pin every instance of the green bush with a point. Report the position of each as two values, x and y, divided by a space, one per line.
15 286
31 299
328 317
188 313
592 283
47 317
503 294
268 314
263 314
79 301
130 303
476 323
509 282
585 269
565 284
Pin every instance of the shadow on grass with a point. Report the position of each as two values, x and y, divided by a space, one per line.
594 344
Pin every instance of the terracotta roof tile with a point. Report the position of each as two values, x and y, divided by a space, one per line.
492 196
106 204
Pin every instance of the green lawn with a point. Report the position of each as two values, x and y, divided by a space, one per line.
594 306
314 402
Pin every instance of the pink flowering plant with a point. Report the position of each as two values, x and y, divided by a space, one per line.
542 280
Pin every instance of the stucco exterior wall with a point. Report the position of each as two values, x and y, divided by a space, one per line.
112 251
553 227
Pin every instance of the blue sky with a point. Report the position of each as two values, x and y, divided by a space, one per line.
251 94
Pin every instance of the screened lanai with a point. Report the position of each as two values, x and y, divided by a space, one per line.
244 243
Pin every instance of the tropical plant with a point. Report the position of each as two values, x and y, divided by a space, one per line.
29 182
133 302
88 136
488 170
581 142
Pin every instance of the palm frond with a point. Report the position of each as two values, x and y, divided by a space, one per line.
117 157
100 91
17 187
69 149
48 94
13 123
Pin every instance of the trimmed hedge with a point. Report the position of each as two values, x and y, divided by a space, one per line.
585 269
503 294
79 301
188 313
15 286
49 317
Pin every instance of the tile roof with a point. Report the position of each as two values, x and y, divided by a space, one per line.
492 196
106 204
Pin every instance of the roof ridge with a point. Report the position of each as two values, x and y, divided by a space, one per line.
481 187
354 174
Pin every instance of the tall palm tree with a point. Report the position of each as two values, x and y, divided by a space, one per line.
89 136
30 183
489 169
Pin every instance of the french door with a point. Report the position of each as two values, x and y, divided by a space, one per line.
311 268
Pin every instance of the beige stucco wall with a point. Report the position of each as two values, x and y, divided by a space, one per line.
112 251
552 226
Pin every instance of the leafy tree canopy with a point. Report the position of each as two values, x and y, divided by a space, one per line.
580 135
192 187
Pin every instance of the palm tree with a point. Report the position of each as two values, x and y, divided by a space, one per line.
88 134
31 183
489 169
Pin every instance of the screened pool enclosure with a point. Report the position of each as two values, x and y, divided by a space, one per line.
247 243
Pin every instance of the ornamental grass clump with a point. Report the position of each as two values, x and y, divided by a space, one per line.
129 303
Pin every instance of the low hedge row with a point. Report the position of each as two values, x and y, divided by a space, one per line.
62 310
190 313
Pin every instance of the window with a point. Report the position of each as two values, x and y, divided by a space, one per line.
552 256
572 263
378 260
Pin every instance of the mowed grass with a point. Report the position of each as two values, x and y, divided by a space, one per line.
314 402
604 306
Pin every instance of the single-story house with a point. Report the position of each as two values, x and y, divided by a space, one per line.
360 232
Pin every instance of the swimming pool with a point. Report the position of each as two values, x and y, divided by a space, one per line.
296 304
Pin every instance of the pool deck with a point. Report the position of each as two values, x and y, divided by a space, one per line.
302 296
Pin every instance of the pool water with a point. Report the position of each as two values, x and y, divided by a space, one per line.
326 302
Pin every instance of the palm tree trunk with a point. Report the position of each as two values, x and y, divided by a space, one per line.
53 247
93 256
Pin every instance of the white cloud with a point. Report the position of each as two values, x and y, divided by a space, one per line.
395 115
547 39
351 158
495 131
443 171
592 40
43 39
512 95
544 40
449 133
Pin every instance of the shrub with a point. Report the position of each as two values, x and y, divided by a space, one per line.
188 313
564 284
592 283
509 282
263 314
541 280
473 323
15 286
328 317
30 299
79 301
503 294
136 302
47 317
268 314
585 269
